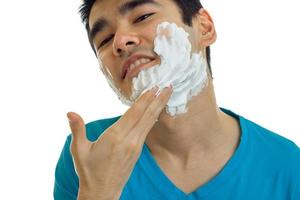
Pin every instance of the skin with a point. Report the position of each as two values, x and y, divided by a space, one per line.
194 144
104 166
140 34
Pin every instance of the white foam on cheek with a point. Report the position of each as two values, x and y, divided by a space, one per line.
186 72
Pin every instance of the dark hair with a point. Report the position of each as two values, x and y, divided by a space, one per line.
188 9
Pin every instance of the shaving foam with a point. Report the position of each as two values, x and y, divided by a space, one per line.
179 67
186 72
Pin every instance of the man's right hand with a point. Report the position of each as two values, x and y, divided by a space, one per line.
104 166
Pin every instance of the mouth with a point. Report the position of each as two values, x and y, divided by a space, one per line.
134 64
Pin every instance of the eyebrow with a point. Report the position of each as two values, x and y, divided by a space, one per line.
97 27
130 5
102 23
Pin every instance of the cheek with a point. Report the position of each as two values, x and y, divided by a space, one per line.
106 66
104 60
149 32
194 42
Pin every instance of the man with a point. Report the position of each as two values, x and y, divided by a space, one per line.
151 152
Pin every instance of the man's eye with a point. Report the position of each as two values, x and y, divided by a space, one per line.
143 17
106 40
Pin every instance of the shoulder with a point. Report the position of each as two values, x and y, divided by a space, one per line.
269 138
264 140
273 146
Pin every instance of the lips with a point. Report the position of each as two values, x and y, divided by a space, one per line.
135 62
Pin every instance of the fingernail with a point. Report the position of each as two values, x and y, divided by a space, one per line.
155 88
169 88
157 93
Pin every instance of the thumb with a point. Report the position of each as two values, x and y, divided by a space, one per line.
77 126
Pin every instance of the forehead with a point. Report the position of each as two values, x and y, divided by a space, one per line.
112 8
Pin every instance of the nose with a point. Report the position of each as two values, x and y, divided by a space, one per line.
124 42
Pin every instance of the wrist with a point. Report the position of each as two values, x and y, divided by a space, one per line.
88 194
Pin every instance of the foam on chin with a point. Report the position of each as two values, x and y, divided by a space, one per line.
186 72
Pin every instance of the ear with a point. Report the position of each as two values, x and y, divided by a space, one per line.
206 28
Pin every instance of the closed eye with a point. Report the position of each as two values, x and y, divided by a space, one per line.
106 40
143 17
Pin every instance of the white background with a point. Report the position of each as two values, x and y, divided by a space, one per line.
47 68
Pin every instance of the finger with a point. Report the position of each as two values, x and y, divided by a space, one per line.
135 112
77 126
150 116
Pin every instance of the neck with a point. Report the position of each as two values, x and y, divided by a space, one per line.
203 130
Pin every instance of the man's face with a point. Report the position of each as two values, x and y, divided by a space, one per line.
127 32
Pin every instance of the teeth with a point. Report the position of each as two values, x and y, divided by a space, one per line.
145 60
131 66
138 62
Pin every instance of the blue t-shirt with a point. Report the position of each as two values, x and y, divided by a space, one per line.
265 166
